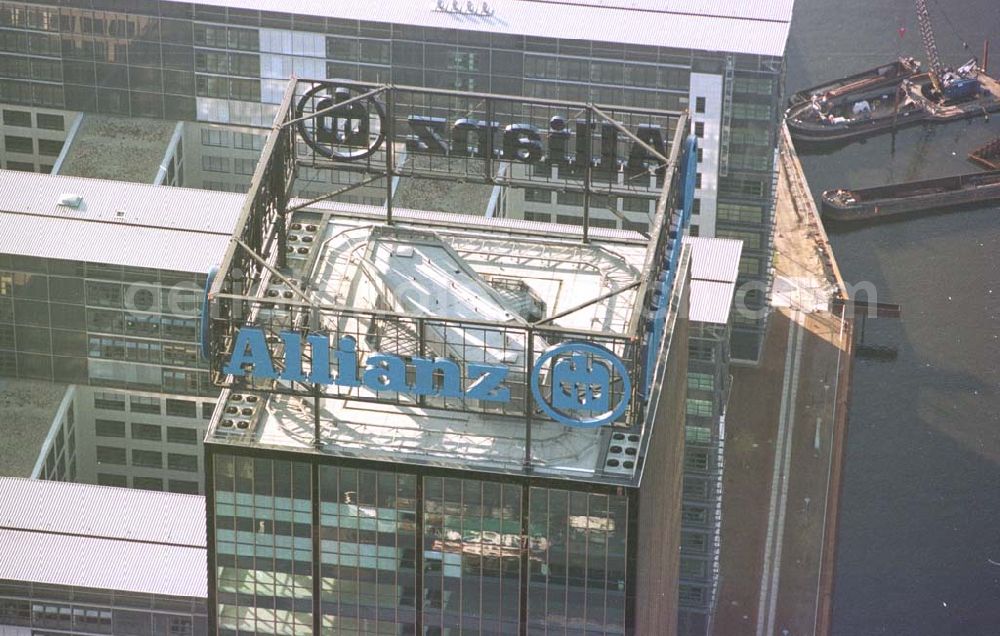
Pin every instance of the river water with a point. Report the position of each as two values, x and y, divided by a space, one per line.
919 541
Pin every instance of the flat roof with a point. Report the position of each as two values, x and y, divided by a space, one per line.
28 407
116 222
758 27
715 266
100 537
453 258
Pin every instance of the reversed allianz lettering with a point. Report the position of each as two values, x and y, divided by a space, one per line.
341 366
524 143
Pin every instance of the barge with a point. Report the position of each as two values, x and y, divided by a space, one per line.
988 155
863 114
893 200
878 78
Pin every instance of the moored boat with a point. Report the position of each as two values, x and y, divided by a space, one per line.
858 115
896 199
880 77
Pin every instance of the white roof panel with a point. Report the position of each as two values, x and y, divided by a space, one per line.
121 202
758 27
120 223
106 564
100 537
714 258
102 511
710 301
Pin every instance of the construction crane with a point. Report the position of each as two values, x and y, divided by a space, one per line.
951 85
930 46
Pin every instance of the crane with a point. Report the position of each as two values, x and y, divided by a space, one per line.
951 85
930 46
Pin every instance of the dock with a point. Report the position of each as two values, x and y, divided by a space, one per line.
786 430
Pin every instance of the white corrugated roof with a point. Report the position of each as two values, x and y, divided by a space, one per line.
102 511
106 564
132 224
102 537
778 10
714 258
710 301
758 27
715 265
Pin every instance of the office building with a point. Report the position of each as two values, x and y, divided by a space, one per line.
714 272
499 448
89 560
227 61
101 287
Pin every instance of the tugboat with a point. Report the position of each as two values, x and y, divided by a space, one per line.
942 94
893 200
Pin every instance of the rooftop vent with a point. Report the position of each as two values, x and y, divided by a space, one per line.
470 7
70 200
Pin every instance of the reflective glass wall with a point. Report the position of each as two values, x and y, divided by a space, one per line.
305 548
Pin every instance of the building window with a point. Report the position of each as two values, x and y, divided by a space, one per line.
182 408
150 432
537 195
21 166
147 459
541 217
248 141
701 408
17 118
18 144
214 164
696 542
632 204
691 594
693 568
244 166
183 486
107 479
109 401
696 515
699 104
214 137
111 455
699 129
109 428
147 483
49 147
635 226
697 435
179 435
50 122
695 459
186 463
701 381
695 488
140 404
570 198
697 180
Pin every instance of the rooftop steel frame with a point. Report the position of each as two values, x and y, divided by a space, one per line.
323 124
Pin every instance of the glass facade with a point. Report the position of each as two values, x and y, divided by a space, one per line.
306 547
105 325
59 609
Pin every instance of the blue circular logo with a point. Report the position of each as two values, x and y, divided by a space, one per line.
580 375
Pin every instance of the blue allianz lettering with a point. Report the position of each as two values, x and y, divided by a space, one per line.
340 366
